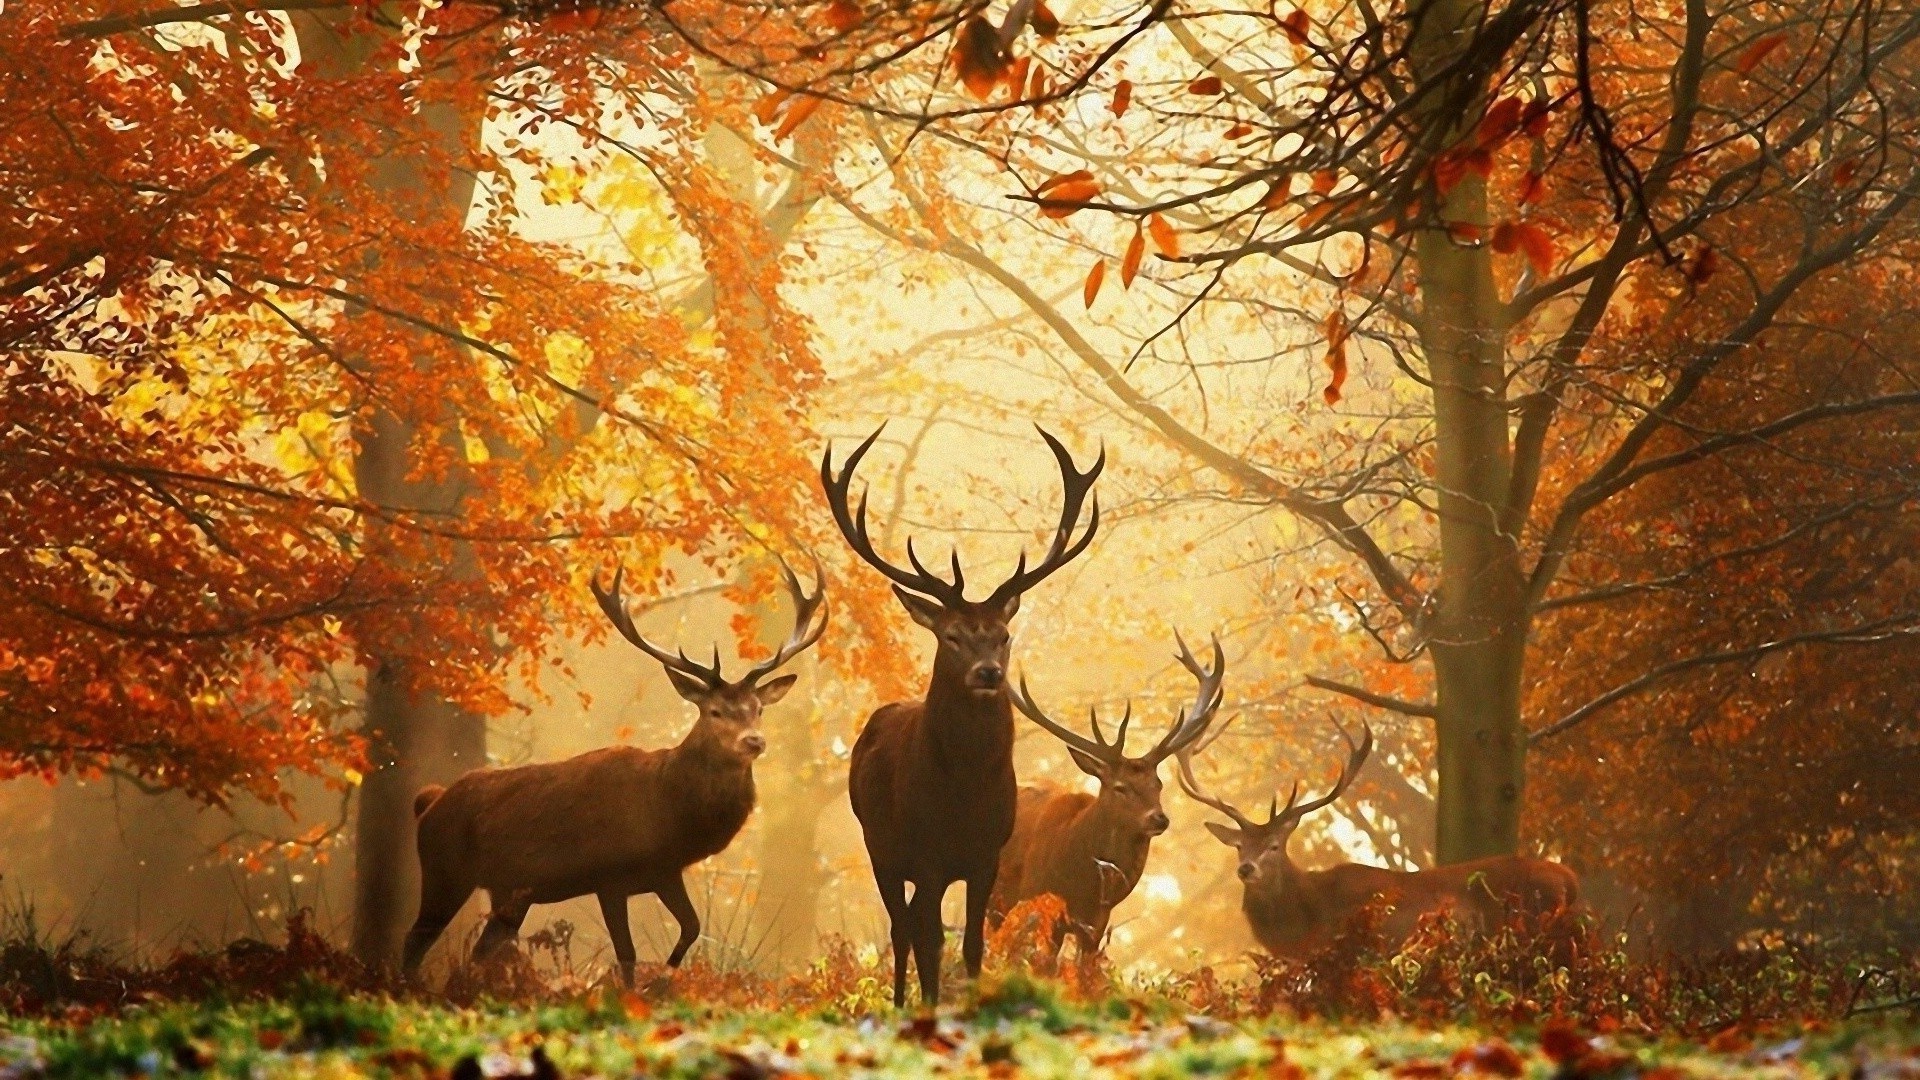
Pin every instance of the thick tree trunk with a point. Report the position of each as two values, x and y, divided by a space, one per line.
1478 633
414 739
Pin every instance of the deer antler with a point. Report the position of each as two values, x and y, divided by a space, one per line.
1064 548
1098 748
805 630
1356 757
1206 702
614 605
853 526
1184 757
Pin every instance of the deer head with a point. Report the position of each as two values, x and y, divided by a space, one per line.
729 710
1263 846
972 635
1130 786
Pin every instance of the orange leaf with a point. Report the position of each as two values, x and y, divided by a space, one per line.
1037 85
1205 84
1165 240
1317 214
1094 277
1533 187
978 58
1017 76
1844 172
844 15
1279 190
1296 25
1753 54
1336 331
1529 239
1069 196
764 109
1324 181
1502 119
1122 97
1130 265
1043 20
1703 265
1052 182
1538 115
797 114
1239 130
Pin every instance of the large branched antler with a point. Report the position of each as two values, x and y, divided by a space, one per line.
1356 757
806 630
1188 726
1064 548
1183 757
853 526
615 607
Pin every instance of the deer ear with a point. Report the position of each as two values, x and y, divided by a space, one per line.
1226 834
1089 764
924 611
688 687
770 692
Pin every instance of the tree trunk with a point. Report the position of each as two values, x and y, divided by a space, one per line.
1477 635
413 739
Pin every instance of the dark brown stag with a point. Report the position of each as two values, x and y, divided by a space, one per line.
1293 911
614 822
1090 850
932 780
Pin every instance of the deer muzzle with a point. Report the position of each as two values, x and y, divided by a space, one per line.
986 678
1157 823
1248 871
753 744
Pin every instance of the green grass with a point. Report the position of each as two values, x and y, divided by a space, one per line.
1018 1028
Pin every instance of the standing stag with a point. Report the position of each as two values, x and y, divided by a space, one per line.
1090 850
932 780
1293 911
614 822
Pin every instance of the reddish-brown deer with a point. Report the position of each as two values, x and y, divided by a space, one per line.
615 822
932 780
1090 850
1294 911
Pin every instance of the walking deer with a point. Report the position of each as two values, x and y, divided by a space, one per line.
614 822
1090 850
932 780
1292 911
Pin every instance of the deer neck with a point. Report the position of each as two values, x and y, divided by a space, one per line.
967 726
1288 907
1103 831
701 770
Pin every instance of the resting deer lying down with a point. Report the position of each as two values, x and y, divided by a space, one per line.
1090 850
1293 911
614 822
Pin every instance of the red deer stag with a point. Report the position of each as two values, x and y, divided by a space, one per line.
614 822
1293 911
932 780
1091 850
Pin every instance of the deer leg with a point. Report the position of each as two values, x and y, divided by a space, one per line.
613 908
503 923
923 914
973 946
893 894
674 896
440 900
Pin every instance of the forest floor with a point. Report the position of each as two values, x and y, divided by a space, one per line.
1018 1028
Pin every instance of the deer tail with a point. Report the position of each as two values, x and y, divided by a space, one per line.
426 798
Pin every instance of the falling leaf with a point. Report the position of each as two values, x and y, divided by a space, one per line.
1296 26
1095 277
1122 97
1752 56
1165 240
1206 85
1336 331
766 107
844 15
1130 264
978 58
797 114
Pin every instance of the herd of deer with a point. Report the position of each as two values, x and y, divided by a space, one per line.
932 784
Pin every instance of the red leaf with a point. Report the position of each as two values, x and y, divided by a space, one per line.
1538 115
764 109
1052 182
1238 131
1122 97
1205 84
1703 265
1043 20
1165 240
1336 331
1563 1044
1094 278
1130 264
1279 190
1530 240
1493 1057
1753 54
845 15
1844 172
797 114
1502 119
978 58
1533 187
1296 26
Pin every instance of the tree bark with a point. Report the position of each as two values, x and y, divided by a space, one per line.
1477 633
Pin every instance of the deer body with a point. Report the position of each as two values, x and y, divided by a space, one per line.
1090 850
1293 911
932 781
616 822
